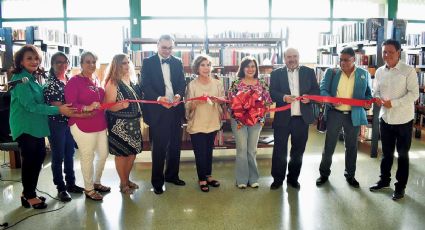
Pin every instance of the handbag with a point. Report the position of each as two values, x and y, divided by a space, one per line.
321 120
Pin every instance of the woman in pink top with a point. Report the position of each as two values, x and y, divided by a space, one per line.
83 91
246 135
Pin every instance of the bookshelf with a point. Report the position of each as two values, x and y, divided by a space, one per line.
414 55
364 38
49 41
226 50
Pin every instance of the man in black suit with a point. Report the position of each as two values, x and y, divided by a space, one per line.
163 80
286 84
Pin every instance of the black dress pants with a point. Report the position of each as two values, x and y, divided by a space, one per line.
203 145
298 130
33 151
400 137
166 143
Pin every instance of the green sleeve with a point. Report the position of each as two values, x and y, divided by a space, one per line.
26 97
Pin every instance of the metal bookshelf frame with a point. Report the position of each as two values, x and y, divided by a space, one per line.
135 17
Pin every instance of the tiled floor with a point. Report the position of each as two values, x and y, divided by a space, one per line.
333 206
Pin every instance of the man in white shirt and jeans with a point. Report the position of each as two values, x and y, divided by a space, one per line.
396 90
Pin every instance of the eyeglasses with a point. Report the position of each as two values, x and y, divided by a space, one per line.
167 48
345 60
62 63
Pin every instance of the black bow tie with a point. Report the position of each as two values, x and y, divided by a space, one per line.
165 60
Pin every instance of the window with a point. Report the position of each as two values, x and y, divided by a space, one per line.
415 28
290 8
46 24
97 8
172 8
411 9
304 36
178 28
104 38
218 26
360 9
31 9
238 8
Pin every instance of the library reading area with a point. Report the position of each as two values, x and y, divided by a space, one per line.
212 114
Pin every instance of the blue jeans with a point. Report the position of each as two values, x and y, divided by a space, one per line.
246 138
62 144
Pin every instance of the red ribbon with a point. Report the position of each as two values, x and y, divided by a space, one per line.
340 100
104 106
248 106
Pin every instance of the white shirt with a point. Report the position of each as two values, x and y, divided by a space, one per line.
400 85
167 79
294 86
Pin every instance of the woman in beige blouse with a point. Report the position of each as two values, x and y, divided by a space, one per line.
204 118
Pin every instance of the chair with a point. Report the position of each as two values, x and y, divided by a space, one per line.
6 143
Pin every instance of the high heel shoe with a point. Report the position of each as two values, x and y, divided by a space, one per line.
204 187
26 204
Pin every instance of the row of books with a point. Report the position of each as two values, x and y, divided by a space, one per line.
416 39
49 36
233 57
327 59
332 59
354 32
137 56
416 59
239 34
366 30
365 60
328 39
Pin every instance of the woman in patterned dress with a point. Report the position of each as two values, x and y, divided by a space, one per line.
124 135
246 136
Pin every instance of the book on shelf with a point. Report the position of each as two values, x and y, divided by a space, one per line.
328 39
2 53
415 59
352 32
421 79
232 57
49 36
327 58
245 35
371 27
399 28
415 39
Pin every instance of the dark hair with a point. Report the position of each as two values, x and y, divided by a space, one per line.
53 60
349 51
19 57
392 42
167 37
244 63
85 54
197 62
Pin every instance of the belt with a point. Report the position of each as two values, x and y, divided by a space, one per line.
343 112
